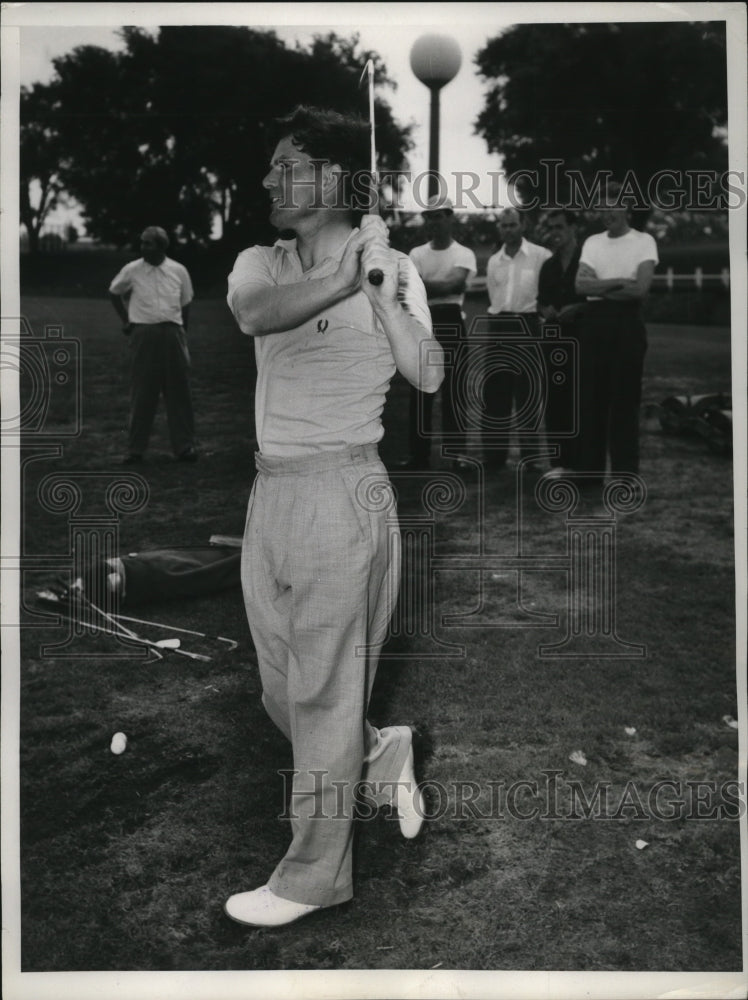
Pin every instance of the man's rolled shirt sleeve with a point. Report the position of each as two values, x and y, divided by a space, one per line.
122 283
413 295
466 258
187 292
251 270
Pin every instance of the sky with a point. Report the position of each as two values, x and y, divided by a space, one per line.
461 100
390 29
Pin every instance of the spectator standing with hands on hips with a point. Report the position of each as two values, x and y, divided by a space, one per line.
152 297
320 565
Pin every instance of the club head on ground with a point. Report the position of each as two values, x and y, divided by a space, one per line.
49 597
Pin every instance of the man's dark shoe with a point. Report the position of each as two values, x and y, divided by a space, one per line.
132 459
188 455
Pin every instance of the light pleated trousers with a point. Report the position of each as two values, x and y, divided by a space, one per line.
320 574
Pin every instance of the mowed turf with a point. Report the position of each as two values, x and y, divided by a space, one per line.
126 860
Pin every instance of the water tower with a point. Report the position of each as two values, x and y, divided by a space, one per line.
435 60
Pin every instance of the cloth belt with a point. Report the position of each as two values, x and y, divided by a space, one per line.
319 462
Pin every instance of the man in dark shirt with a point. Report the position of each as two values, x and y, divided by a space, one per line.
559 304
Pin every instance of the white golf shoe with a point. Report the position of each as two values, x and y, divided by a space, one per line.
408 799
262 908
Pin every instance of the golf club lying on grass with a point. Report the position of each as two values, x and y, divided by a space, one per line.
117 622
153 647
231 643
171 645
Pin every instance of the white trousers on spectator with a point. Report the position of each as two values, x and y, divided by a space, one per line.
320 574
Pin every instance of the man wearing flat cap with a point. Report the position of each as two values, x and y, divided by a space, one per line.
445 266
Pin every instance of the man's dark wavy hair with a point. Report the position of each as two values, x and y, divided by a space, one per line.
325 134
571 217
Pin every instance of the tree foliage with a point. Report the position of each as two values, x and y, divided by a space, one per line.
174 129
639 97
40 182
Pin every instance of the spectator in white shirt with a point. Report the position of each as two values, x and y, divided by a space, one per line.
446 267
512 281
152 296
615 272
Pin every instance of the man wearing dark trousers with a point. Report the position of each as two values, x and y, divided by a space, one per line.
615 272
152 296
445 266
559 304
512 282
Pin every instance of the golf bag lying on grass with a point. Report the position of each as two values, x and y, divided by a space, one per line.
163 575
709 416
106 586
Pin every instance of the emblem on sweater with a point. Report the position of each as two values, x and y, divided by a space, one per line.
322 325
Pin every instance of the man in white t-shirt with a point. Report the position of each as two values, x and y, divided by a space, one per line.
445 267
512 276
615 273
320 566
152 297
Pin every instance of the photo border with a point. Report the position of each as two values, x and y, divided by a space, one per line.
339 984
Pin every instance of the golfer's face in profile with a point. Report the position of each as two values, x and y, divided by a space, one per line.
294 184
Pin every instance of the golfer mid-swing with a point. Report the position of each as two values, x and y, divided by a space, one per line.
319 567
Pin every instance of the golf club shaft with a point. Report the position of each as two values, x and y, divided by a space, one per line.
125 633
232 643
122 635
376 277
110 618
181 652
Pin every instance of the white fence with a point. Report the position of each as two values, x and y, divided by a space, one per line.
668 279
698 279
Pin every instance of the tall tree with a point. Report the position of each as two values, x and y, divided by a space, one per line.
640 97
41 186
174 128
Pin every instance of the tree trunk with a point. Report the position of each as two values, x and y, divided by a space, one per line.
28 218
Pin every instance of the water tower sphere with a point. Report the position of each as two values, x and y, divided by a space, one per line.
435 59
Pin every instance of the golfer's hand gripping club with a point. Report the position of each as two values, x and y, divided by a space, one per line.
375 274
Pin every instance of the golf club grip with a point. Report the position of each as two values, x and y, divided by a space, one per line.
375 276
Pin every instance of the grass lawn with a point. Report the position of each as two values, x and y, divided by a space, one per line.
126 860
